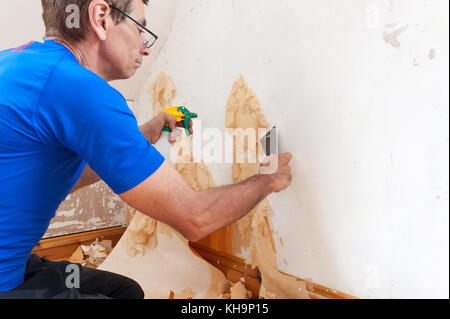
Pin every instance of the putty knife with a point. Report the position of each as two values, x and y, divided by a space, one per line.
269 141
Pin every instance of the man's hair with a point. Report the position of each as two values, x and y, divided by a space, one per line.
55 16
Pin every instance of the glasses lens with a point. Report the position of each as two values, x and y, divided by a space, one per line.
149 40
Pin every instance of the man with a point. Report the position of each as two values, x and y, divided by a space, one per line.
63 127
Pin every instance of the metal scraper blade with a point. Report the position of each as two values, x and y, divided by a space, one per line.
269 141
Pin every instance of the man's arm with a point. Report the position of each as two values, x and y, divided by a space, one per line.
87 178
165 196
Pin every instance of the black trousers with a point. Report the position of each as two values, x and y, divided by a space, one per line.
45 279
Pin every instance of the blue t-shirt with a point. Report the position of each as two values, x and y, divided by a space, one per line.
56 116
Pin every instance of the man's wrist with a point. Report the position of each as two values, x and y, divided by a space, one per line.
145 129
149 128
265 183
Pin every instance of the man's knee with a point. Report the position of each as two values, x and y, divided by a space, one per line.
118 286
129 289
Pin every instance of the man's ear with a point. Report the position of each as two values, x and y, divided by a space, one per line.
100 18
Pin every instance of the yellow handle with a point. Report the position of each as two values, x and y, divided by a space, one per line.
174 112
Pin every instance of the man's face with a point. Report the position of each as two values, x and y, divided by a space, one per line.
125 47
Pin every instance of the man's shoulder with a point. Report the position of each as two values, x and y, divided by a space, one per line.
52 64
79 76
71 73
24 71
75 91
80 84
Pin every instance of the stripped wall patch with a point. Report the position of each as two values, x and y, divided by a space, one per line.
243 110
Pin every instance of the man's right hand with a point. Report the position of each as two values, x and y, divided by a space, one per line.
282 178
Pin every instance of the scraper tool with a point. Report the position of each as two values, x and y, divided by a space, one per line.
269 141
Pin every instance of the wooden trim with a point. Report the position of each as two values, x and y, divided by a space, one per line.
221 240
321 292
235 268
62 247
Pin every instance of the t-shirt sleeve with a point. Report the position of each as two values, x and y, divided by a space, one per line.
86 115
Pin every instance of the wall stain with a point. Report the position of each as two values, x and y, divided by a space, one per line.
432 54
392 37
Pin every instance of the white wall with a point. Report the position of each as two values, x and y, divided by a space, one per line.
20 22
365 117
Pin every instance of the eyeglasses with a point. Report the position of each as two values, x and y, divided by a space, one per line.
150 38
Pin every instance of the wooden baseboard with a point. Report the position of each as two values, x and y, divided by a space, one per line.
234 268
62 247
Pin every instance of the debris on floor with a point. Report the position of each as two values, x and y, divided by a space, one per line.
92 255
238 290
78 256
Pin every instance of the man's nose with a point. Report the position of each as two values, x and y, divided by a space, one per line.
145 51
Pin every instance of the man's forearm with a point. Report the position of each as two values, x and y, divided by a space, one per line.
223 206
146 130
167 197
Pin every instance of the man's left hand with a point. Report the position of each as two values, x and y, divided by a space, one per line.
152 130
